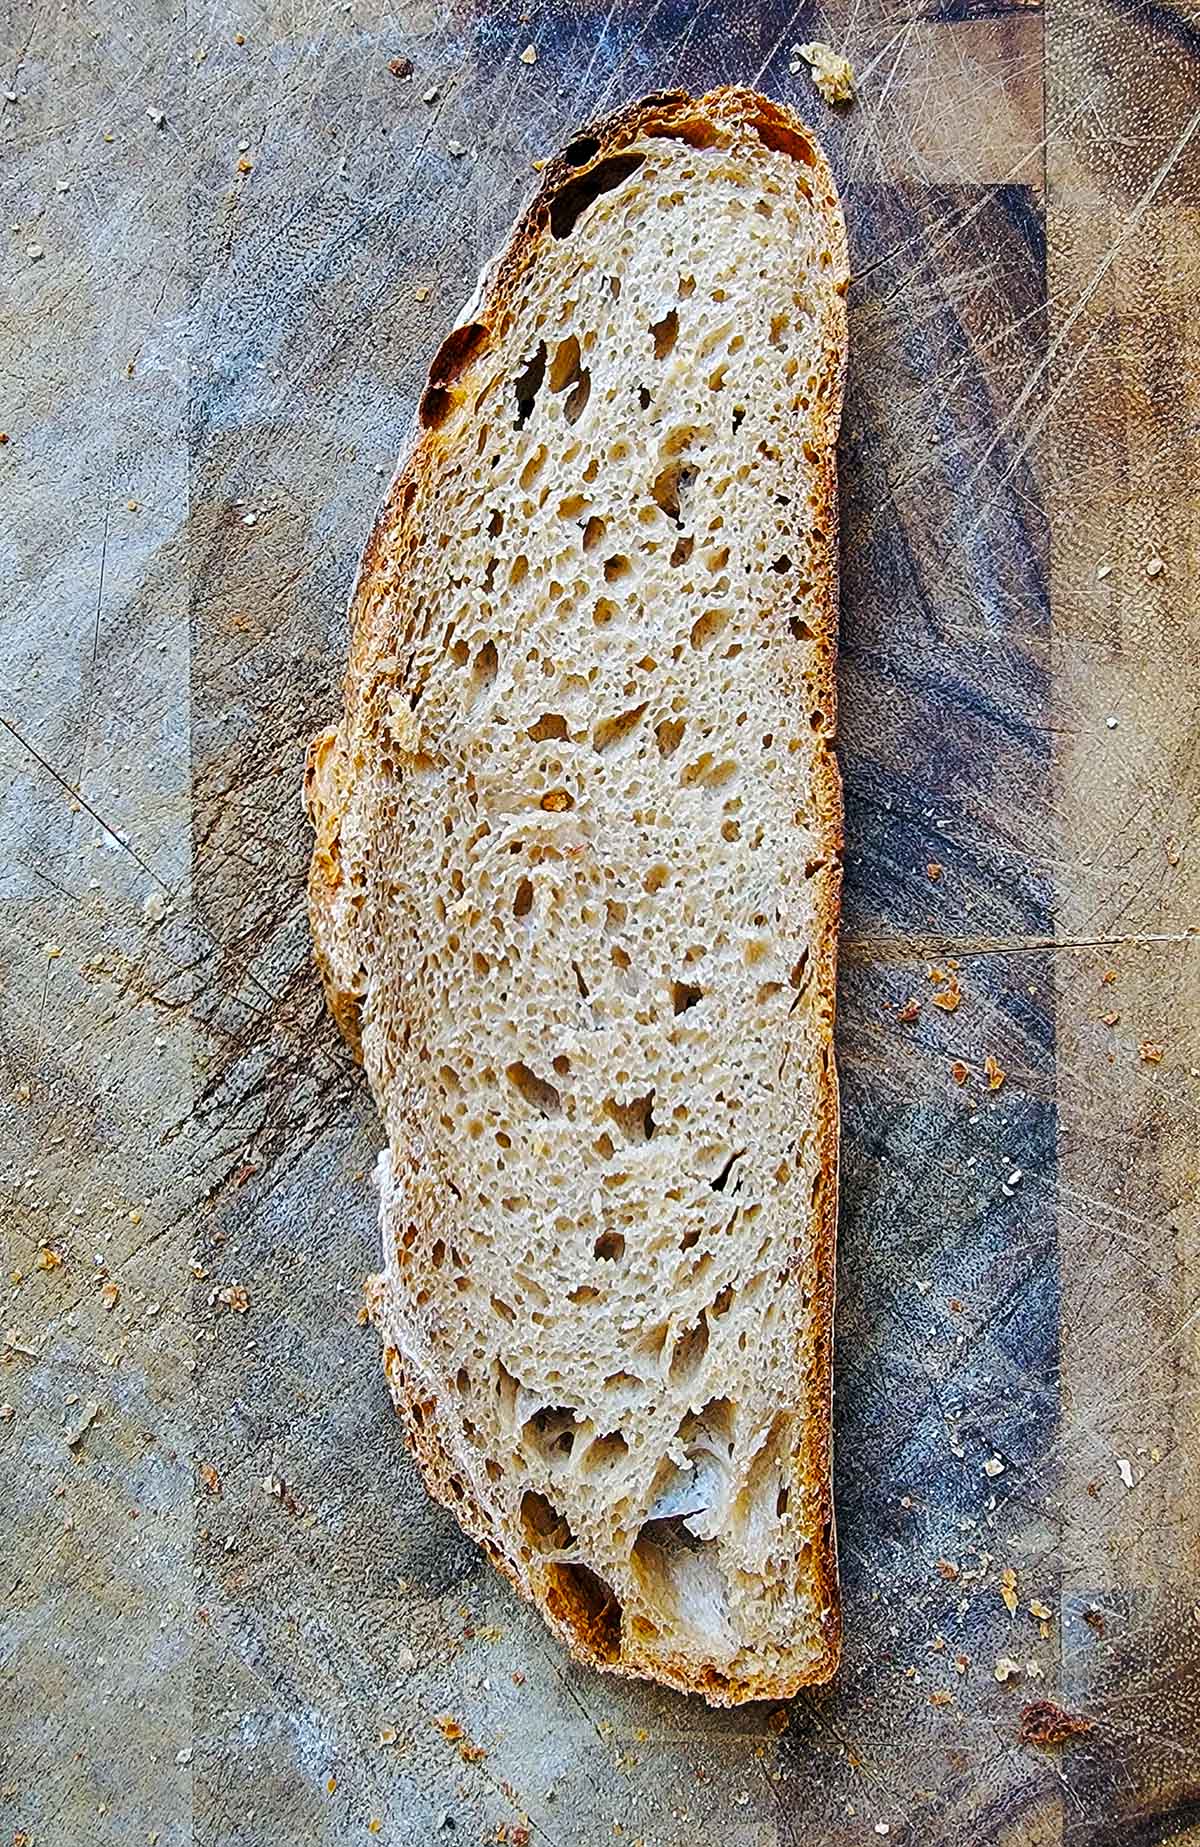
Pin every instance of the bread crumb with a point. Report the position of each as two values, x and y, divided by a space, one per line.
1125 1471
400 68
1040 1610
994 1074
1149 1053
1155 568
1006 1669
1042 1722
1008 1589
909 1011
947 1569
993 1467
1103 570
529 55
940 1697
933 871
831 72
960 1072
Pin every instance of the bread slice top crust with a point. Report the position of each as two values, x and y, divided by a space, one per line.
575 892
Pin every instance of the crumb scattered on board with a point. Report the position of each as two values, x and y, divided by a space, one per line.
1042 1722
831 72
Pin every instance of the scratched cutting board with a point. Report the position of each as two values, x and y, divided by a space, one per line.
229 360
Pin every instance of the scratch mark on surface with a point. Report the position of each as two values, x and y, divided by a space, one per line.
103 563
863 951
71 790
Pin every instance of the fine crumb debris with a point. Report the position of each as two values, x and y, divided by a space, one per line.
832 73
1042 1722
76 1432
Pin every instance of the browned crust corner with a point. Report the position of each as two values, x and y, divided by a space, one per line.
328 785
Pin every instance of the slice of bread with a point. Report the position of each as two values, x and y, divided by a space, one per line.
575 896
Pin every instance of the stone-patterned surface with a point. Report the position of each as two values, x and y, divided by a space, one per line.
206 373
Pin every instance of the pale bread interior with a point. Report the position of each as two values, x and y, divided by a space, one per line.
576 887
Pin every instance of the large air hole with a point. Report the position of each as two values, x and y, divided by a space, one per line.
483 670
572 200
635 1119
544 1527
609 1247
581 151
720 1180
533 468
578 1597
668 733
549 725
683 549
528 383
540 1095
550 1433
668 488
612 731
593 532
689 1353
616 567
684 995
708 626
665 333
775 133
523 899
603 1453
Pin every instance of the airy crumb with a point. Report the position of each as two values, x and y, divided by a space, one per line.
831 72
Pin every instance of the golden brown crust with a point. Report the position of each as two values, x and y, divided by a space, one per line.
329 780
